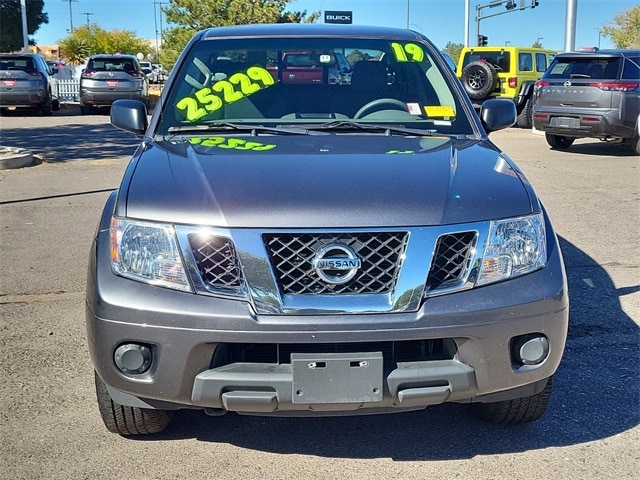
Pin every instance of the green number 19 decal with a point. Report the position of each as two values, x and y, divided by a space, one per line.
409 52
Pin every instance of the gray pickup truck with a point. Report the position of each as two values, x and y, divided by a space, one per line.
321 249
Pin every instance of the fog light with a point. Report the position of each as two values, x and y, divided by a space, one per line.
531 349
132 358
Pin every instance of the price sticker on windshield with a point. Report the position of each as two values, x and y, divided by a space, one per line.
408 52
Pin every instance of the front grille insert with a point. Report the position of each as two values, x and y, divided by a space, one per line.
217 263
280 353
292 255
451 260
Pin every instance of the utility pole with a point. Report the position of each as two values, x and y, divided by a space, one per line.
70 14
25 34
87 14
160 7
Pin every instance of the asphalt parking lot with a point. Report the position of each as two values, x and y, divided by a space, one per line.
49 421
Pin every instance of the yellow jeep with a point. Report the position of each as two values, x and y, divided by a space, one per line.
503 72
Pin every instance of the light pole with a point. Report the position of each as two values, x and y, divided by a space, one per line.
538 40
70 14
599 35
160 7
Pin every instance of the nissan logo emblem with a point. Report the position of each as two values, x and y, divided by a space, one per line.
336 263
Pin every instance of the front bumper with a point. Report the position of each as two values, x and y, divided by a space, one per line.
185 331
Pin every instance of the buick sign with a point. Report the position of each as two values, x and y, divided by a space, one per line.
332 16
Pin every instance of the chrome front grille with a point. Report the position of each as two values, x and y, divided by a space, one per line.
292 254
451 260
217 262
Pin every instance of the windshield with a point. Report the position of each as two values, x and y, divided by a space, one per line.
312 81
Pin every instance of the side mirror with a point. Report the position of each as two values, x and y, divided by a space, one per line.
130 116
497 114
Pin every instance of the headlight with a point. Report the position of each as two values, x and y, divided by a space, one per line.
515 247
148 253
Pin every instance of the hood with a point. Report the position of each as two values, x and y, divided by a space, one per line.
322 181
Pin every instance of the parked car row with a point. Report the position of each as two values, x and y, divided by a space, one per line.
155 72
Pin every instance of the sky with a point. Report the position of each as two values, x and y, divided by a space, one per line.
440 20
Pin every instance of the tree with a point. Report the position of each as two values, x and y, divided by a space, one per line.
537 44
89 40
454 50
11 23
191 16
627 32
74 49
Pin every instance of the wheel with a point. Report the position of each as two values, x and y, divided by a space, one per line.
55 105
524 119
479 79
84 110
634 144
45 110
519 410
128 420
380 104
558 141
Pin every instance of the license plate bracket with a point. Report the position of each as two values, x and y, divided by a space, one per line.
337 377
566 122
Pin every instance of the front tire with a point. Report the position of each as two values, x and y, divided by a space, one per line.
558 141
128 420
517 411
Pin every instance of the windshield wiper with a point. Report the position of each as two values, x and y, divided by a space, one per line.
237 127
370 127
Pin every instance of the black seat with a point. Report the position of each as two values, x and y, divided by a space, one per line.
368 82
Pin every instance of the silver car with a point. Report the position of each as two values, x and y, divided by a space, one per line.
590 95
107 78
281 248
26 82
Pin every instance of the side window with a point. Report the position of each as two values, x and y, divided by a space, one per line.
631 68
541 62
525 62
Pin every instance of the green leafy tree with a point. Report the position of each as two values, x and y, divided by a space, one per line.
190 16
537 44
89 40
454 50
626 31
74 49
11 23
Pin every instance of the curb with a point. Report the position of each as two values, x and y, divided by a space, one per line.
14 158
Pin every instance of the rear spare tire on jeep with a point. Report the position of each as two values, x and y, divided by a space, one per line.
479 79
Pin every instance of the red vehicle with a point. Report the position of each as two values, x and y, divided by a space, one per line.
313 67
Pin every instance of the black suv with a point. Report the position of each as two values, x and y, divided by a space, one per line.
590 94
25 82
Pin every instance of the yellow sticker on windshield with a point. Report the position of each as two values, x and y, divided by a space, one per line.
440 111
409 52
209 99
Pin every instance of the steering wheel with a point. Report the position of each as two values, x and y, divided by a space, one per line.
380 104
